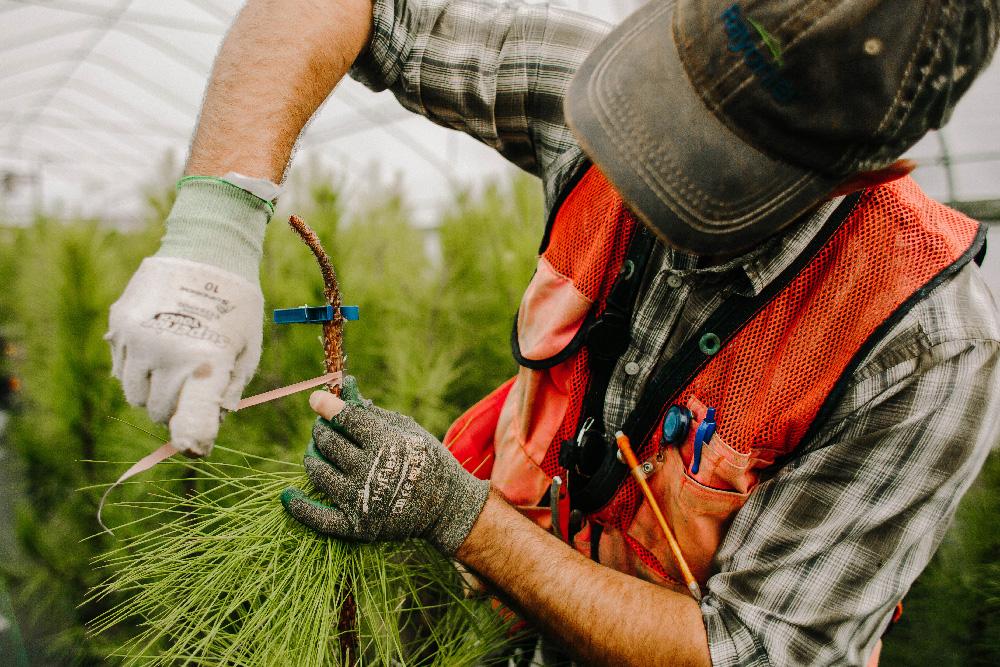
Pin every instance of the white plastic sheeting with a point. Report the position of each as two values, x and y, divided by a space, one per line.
96 94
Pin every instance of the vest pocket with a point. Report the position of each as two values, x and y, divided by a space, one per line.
699 516
721 467
699 508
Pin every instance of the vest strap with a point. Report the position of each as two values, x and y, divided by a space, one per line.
607 339
731 316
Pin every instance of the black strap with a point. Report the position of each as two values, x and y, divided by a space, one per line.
981 255
607 338
590 495
596 530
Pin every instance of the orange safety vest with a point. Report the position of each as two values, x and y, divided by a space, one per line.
783 359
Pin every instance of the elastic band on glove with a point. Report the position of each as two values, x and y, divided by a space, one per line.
215 222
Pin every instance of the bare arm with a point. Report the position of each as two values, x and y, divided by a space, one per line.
601 616
280 61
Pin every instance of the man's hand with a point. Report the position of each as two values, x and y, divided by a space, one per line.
185 340
387 478
185 335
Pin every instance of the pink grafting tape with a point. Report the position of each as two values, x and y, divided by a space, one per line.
166 450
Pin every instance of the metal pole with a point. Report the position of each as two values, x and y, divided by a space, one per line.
946 163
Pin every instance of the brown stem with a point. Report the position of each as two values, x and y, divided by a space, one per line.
333 340
333 331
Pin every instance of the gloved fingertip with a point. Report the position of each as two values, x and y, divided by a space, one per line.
192 449
290 494
313 451
325 404
349 390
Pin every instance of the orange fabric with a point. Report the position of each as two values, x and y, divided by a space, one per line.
699 508
590 235
557 311
530 417
588 242
470 438
873 660
769 382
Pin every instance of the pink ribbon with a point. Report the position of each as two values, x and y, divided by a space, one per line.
166 450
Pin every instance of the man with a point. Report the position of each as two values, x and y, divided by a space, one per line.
800 349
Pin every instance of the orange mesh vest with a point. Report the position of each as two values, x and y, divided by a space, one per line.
778 370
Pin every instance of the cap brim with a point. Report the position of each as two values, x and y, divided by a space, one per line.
679 168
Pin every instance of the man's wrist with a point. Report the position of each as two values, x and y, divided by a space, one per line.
484 528
215 222
258 187
461 515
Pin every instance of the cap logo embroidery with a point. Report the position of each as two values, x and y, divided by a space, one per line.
769 41
740 41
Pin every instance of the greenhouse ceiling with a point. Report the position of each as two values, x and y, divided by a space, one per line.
101 96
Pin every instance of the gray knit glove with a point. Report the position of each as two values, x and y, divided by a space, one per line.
387 479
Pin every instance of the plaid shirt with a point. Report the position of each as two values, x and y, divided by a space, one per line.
817 559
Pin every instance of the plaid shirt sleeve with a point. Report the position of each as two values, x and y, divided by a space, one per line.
817 559
495 70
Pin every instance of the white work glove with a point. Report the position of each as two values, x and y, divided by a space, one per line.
186 333
185 340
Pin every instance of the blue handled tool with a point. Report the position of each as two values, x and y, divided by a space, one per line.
704 434
313 314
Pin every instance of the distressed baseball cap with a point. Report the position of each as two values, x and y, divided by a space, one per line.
721 122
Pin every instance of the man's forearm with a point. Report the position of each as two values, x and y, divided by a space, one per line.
601 616
280 61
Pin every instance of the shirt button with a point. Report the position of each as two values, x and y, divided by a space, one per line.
674 280
631 368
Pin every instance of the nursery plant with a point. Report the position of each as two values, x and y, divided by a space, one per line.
302 598
228 580
420 348
433 339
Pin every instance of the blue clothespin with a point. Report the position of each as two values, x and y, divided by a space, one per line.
309 315
704 434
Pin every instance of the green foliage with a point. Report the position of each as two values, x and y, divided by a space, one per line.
433 338
61 281
484 288
230 579
951 617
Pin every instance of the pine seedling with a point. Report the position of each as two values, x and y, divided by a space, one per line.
226 577
333 342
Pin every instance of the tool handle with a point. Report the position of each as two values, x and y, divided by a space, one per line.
633 463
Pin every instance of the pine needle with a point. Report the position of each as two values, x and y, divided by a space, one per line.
226 577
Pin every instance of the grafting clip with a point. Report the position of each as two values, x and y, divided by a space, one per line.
312 314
